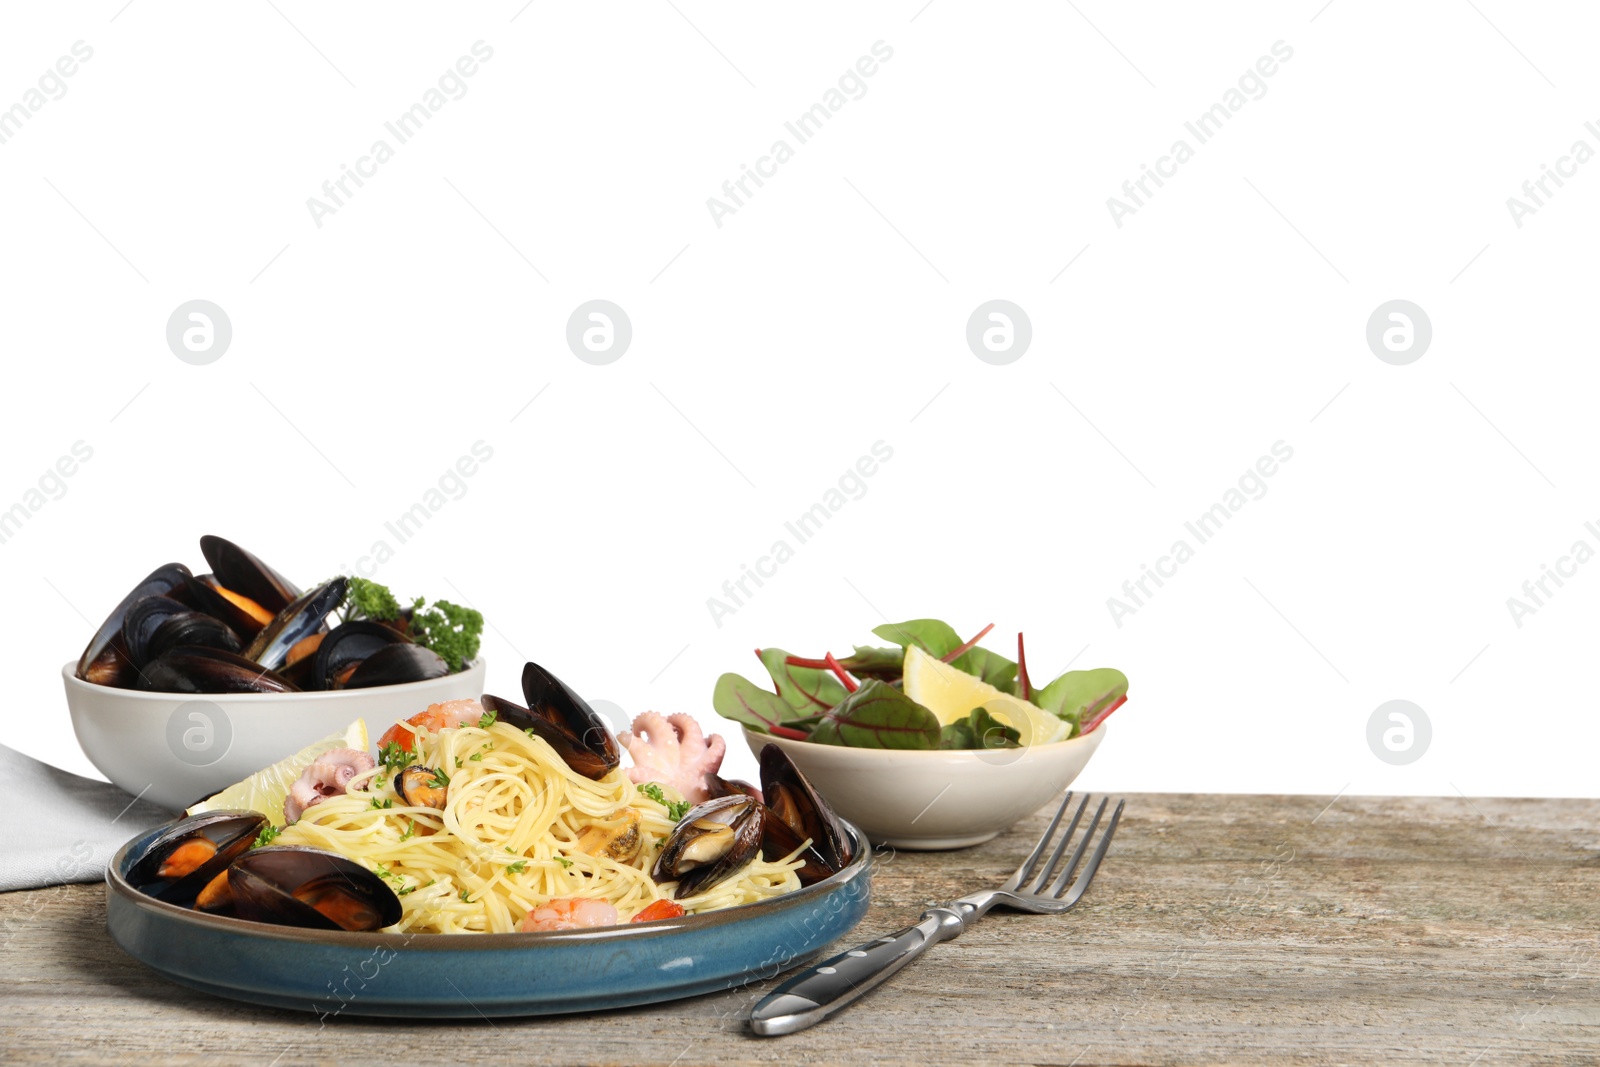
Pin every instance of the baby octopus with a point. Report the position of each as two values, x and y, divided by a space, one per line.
672 750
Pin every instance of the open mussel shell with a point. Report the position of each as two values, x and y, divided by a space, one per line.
397 664
710 843
290 885
344 649
245 574
718 786
565 720
210 670
204 593
591 762
302 619
794 805
186 856
106 660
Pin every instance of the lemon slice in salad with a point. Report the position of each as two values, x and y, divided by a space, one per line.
264 790
951 694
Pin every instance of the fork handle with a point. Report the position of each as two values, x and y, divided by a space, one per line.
824 988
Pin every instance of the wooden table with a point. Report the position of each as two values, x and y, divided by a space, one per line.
1240 929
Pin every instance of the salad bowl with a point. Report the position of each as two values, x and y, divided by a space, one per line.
936 799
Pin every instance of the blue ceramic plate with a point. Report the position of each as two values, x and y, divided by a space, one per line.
448 975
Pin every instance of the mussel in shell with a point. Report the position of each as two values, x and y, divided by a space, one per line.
243 573
106 660
397 664
194 669
796 812
300 620
344 649
563 719
188 855
422 787
244 616
710 843
291 885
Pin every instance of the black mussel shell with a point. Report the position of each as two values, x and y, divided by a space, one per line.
201 592
581 758
290 885
245 574
295 623
796 806
157 624
343 650
711 842
210 670
397 664
717 786
106 660
140 622
585 741
192 629
179 863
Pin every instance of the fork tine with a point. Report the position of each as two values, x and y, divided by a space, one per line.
1034 885
1026 869
1081 886
1083 846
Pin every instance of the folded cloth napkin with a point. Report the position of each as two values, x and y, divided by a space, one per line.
62 828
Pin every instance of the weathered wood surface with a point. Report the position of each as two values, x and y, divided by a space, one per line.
1221 930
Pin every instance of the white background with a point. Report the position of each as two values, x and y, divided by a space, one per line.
827 314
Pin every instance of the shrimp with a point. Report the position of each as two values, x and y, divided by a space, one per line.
570 913
435 717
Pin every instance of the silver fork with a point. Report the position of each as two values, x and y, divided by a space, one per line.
825 988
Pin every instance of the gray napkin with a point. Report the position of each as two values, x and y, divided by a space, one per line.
62 828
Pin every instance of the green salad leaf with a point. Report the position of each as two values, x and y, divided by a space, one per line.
808 690
738 698
979 730
877 715
820 699
1081 696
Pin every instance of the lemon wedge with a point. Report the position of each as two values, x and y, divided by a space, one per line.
264 790
951 694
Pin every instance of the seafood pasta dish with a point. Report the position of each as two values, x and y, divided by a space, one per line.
487 816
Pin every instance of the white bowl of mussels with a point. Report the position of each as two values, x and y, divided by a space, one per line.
196 681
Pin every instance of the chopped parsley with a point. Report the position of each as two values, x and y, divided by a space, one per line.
563 861
465 897
475 757
395 757
440 780
411 828
488 719
458 761
400 883
376 803
517 867
268 834
676 809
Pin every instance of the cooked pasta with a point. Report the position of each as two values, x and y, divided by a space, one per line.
519 829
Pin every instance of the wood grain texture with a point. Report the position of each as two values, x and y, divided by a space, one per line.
1240 929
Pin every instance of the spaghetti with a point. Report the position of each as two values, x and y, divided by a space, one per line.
519 828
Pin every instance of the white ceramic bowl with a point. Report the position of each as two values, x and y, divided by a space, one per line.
932 800
177 748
